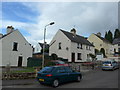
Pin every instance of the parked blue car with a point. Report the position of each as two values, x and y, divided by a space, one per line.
55 75
110 65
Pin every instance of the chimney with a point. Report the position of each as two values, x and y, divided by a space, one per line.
10 29
99 34
1 35
73 31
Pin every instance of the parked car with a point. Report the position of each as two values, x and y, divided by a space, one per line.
59 63
110 65
55 75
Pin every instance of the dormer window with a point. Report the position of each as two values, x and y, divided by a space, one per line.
15 46
60 45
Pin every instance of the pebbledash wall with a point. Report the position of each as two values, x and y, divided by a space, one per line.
9 56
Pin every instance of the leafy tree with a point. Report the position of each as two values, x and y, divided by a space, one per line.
54 56
116 33
46 50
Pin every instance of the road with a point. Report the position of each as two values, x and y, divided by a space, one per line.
94 79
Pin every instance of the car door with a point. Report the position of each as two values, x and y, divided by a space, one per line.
61 74
71 74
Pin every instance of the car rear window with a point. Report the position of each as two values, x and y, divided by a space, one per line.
47 70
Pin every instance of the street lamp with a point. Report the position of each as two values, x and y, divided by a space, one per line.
44 43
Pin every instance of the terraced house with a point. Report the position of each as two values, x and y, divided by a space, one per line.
14 48
71 46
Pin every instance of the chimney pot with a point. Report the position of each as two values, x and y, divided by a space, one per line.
73 31
10 29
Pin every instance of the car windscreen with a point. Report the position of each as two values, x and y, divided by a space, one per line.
47 70
107 62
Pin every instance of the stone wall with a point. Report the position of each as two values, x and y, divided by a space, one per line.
10 76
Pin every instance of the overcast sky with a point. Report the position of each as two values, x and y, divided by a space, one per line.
30 18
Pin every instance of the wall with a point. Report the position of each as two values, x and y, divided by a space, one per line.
96 41
37 48
83 51
11 57
65 42
66 54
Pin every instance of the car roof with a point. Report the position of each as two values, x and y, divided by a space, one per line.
56 66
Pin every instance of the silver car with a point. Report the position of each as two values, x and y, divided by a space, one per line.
110 65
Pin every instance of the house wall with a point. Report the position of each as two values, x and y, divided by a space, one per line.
98 43
72 47
83 52
11 57
65 42
116 46
37 48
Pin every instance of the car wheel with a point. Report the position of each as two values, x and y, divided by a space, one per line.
55 83
78 79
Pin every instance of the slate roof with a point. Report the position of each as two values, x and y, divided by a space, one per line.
116 41
46 46
103 39
76 38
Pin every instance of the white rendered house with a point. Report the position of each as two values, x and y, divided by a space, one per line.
71 46
14 48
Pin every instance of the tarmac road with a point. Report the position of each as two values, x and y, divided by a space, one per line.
94 79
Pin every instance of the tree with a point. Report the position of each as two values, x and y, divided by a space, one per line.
110 36
54 56
116 33
102 50
106 35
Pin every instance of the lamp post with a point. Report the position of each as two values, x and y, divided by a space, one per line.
44 43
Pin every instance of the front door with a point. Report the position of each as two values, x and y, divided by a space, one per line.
20 58
73 57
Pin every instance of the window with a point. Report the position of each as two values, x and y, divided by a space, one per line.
68 69
86 47
61 70
118 49
100 44
92 43
15 46
79 56
88 56
60 45
78 45
89 48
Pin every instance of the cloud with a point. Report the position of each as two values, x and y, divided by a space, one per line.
89 17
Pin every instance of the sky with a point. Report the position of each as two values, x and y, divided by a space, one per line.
30 18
